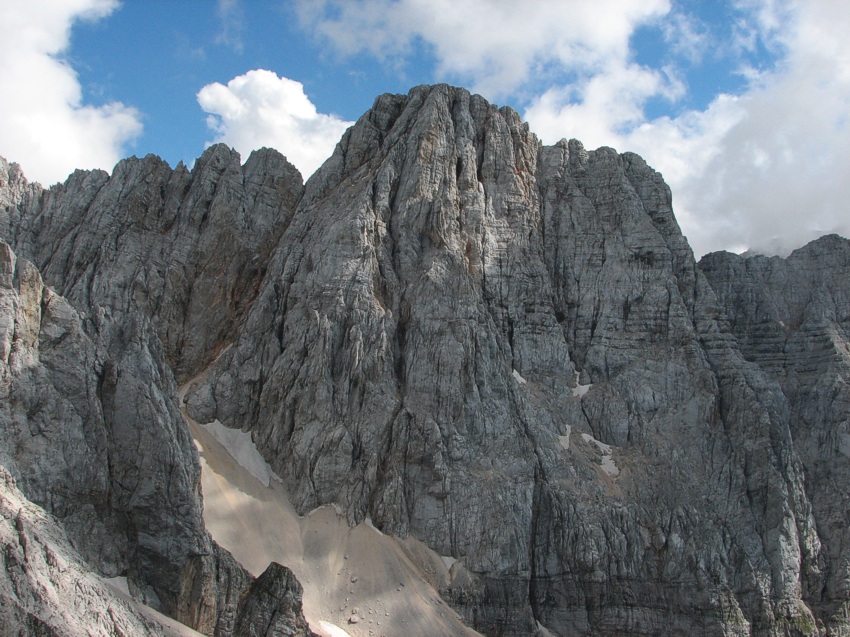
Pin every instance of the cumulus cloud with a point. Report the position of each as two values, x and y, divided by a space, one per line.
597 109
261 109
768 169
495 45
47 127
765 168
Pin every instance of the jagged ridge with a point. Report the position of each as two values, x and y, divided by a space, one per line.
502 348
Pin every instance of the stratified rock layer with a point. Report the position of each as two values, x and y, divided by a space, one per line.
792 318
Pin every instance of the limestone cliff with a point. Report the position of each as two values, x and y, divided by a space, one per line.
792 318
507 351
91 427
501 348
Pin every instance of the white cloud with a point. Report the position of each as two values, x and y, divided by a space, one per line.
766 168
496 45
232 20
261 109
769 169
686 36
595 110
46 126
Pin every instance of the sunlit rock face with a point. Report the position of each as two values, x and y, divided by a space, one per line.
503 349
507 351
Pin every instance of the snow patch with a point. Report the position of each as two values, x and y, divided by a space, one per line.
243 450
119 584
372 526
608 464
565 440
332 630
448 560
600 445
610 467
542 631
581 390
519 378
333 505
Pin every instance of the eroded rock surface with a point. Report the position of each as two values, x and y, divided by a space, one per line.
45 586
507 350
274 598
503 349
186 249
92 432
792 318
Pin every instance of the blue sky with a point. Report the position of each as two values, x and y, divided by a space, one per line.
741 104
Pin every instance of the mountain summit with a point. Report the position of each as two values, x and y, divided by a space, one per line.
501 350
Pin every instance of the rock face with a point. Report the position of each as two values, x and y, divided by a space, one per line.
507 350
501 348
90 422
792 318
274 598
41 575
46 588
185 249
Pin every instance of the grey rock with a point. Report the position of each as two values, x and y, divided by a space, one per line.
16 195
92 432
185 249
47 589
792 317
413 356
272 602
502 348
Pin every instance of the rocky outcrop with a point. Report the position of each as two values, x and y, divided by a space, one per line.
92 432
16 195
157 266
274 598
507 351
45 586
792 318
503 349
186 249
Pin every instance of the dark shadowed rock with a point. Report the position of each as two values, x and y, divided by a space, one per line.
272 606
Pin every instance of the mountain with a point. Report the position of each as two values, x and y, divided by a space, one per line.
92 431
499 354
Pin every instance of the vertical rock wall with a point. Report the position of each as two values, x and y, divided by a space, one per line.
502 348
507 351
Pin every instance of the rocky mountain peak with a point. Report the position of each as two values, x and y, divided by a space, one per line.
461 326
462 337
